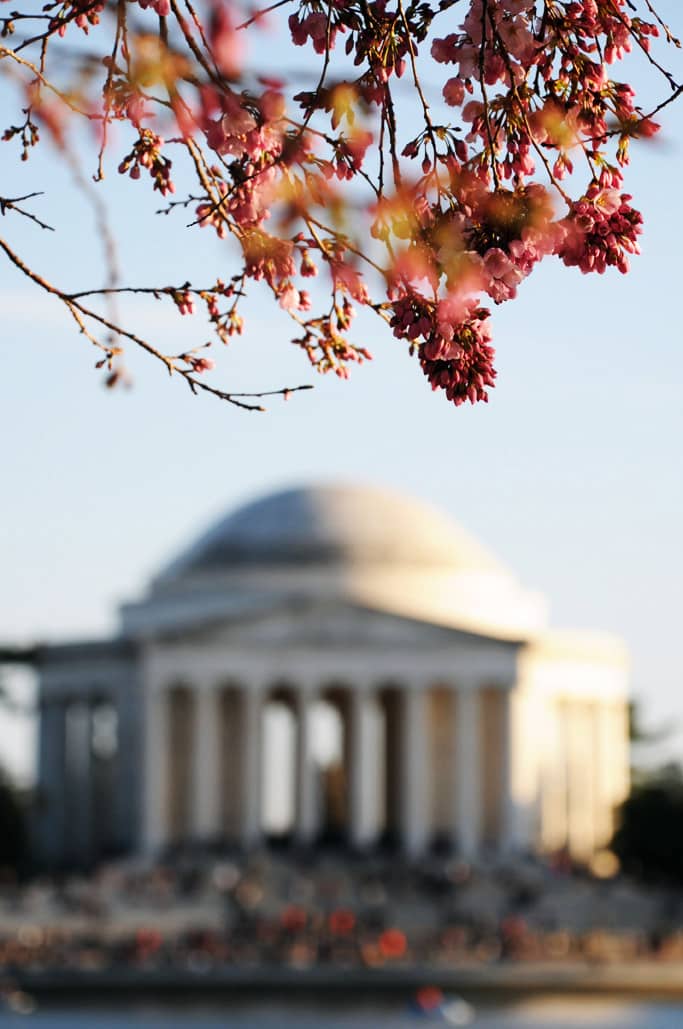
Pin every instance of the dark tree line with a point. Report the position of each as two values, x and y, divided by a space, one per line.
649 841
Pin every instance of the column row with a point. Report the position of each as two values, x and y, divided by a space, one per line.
414 761
584 765
79 814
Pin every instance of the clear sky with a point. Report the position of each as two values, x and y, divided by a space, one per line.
572 474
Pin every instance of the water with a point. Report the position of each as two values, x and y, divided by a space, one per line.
555 1013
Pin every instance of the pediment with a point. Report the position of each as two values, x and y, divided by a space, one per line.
331 625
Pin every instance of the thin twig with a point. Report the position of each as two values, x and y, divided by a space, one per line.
79 312
260 13
14 56
12 204
484 95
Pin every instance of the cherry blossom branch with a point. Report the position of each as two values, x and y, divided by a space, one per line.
464 227
155 291
678 92
667 31
514 92
416 79
6 52
12 204
79 11
261 13
639 42
79 312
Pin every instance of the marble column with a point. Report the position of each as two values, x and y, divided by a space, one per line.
50 821
617 756
554 779
414 770
620 757
581 779
157 769
468 768
604 817
306 807
362 775
508 823
251 747
80 781
129 770
206 814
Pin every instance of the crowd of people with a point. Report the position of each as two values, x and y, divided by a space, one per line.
200 915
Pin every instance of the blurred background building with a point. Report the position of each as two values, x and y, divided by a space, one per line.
332 664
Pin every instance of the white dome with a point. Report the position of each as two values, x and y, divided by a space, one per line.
338 544
332 526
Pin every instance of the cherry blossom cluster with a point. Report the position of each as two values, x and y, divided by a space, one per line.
146 153
225 321
463 367
601 230
419 205
83 13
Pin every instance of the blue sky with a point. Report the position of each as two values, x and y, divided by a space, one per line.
572 474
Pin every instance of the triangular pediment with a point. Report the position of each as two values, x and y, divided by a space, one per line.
328 625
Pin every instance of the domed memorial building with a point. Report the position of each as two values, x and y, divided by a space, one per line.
332 663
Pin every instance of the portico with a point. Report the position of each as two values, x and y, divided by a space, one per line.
213 739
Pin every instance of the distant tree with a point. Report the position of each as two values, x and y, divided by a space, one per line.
418 204
13 828
13 837
638 733
649 840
